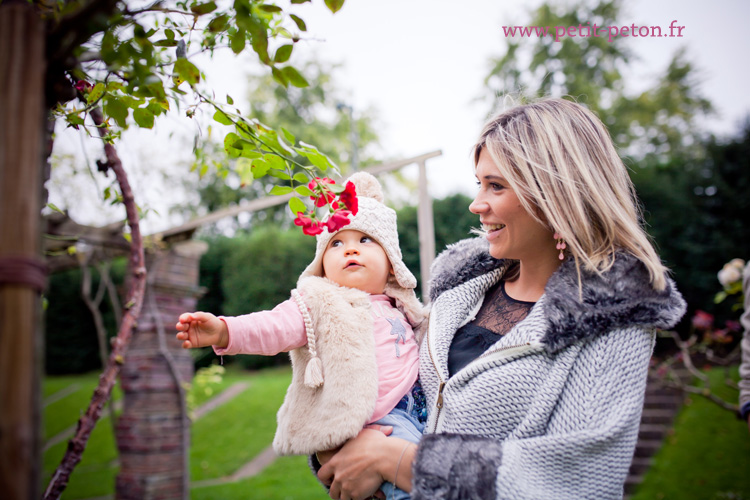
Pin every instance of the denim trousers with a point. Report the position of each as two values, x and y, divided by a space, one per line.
406 425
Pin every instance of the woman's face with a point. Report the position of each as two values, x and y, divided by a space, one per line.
513 233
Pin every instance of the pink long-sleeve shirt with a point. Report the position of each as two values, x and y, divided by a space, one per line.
282 329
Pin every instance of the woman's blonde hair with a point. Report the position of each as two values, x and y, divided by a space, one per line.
559 158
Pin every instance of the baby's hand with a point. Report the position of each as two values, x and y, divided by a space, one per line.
199 329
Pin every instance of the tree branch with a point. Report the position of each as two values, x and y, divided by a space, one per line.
133 306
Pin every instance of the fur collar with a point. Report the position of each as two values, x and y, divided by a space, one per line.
619 298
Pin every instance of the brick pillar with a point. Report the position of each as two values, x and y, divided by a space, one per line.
153 430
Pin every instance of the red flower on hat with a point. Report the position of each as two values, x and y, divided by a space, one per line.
321 194
309 226
349 198
337 220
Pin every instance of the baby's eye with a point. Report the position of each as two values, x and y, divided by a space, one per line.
365 239
336 243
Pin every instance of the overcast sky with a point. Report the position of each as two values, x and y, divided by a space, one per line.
421 65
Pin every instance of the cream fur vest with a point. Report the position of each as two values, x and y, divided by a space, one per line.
321 418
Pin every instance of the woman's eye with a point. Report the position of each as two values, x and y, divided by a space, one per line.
493 186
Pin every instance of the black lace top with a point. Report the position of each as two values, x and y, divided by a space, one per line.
498 314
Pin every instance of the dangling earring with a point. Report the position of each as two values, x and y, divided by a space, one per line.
560 245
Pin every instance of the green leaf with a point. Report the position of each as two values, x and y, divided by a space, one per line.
334 5
294 77
237 41
288 136
271 138
279 76
275 162
270 8
222 118
244 169
299 22
187 70
303 190
52 206
205 8
296 206
281 190
259 168
283 54
218 23
156 88
248 150
230 101
245 129
74 120
169 34
166 43
143 117
229 145
95 93
260 45
279 174
301 177
317 158
113 86
117 110
300 1
157 107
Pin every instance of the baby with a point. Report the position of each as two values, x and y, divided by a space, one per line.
349 329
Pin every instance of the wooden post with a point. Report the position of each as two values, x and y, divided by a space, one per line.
22 115
153 430
426 229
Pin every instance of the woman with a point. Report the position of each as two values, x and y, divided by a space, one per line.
540 332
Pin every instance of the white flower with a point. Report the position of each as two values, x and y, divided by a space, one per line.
731 272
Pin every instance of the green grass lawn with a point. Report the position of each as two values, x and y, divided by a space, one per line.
221 442
706 457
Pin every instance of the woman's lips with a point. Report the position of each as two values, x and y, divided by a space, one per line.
493 230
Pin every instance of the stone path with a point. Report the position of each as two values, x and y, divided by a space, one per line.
66 391
659 409
229 393
252 468
67 433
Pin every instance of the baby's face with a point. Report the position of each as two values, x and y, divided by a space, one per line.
355 260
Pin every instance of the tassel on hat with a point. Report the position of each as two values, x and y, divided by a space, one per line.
314 369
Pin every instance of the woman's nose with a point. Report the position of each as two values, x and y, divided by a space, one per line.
477 206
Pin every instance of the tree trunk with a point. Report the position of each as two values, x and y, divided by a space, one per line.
22 276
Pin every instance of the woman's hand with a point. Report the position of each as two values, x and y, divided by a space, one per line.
356 471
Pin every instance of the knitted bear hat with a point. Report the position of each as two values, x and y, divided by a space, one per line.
375 220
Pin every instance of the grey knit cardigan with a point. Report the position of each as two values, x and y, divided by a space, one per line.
552 410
